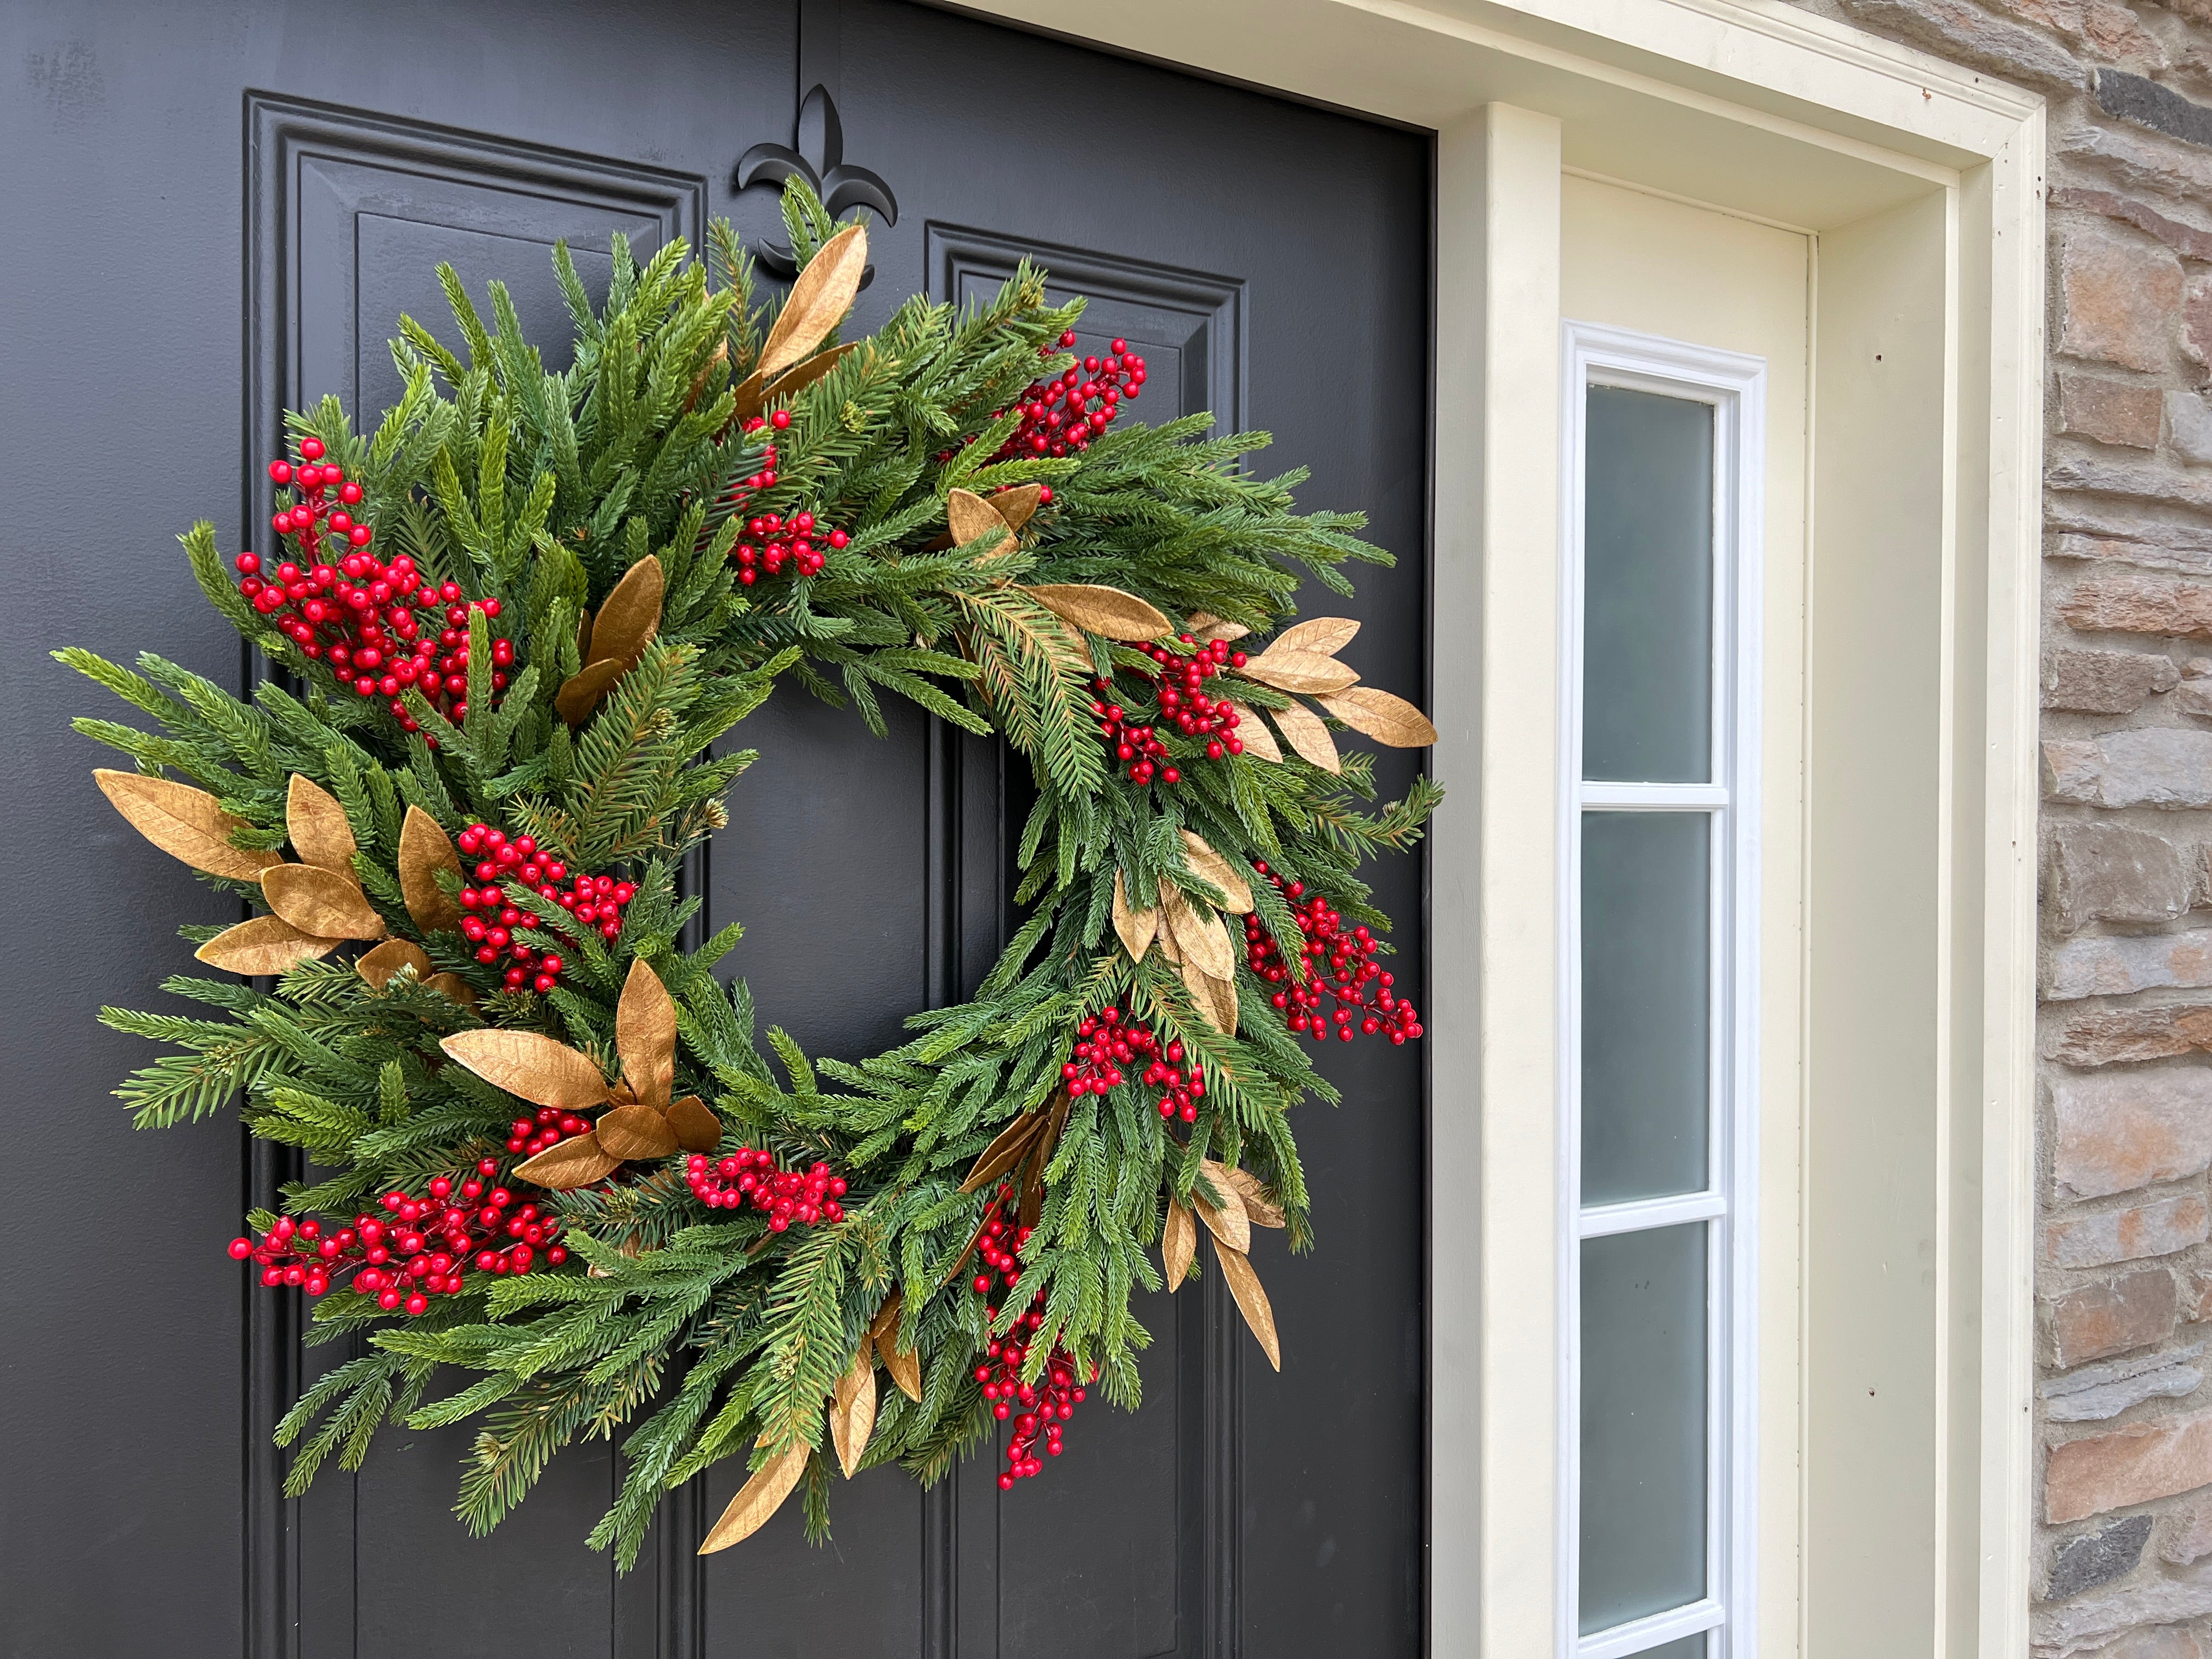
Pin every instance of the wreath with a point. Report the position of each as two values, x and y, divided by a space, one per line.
538 1141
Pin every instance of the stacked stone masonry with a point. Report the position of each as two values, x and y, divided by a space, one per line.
2123 1544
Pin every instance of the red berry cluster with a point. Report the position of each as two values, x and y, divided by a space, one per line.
1104 1042
1179 693
421 1247
772 542
490 916
1339 965
550 1127
377 624
1063 414
749 1174
1045 1404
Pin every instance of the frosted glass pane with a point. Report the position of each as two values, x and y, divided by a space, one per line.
1642 1512
1686 1647
1647 588
1645 947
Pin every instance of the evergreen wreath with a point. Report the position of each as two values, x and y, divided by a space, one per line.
541 1143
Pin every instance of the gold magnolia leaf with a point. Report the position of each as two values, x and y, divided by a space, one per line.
378 966
1305 732
424 850
697 1128
853 1411
905 1367
634 1132
1206 862
792 384
1298 670
1206 629
577 1162
1251 1299
1199 935
454 986
1004 1151
1134 927
320 902
645 1036
818 302
1032 1184
1324 637
1062 1104
1259 1203
630 616
750 396
1178 1243
184 822
532 1067
1257 738
584 636
1229 1224
882 1329
1017 505
316 821
970 518
1106 610
1214 998
580 692
1164 936
764 1495
1386 719
267 945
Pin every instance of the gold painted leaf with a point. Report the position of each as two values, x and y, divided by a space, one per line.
1200 934
1207 628
1323 635
1106 610
883 1328
697 1128
584 637
817 303
645 1036
1062 1103
316 821
1298 670
798 380
1228 1224
853 1412
1259 1203
378 966
1134 927
905 1367
267 945
1206 862
533 1067
1386 719
1178 1242
577 1162
969 517
751 394
184 822
580 692
1214 998
1303 730
454 986
320 902
425 849
1004 1151
634 1132
761 1496
631 615
1251 1300
1164 936
1253 731
1017 505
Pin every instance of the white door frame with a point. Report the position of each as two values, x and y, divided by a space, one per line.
1921 182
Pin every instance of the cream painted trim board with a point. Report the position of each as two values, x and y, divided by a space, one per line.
1914 172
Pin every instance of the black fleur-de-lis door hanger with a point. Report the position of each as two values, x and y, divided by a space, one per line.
817 155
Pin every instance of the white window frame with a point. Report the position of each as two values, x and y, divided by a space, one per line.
1735 386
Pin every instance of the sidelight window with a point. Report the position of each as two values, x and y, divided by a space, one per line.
1661 515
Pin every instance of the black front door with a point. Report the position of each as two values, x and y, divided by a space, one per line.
218 209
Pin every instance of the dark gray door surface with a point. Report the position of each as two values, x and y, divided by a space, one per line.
214 209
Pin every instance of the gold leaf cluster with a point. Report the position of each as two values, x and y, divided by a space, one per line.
642 1122
1190 935
1302 661
610 643
1246 1203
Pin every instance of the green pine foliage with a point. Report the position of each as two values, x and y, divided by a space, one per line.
686 1334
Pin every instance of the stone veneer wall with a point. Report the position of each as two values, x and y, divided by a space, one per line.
2122 1564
